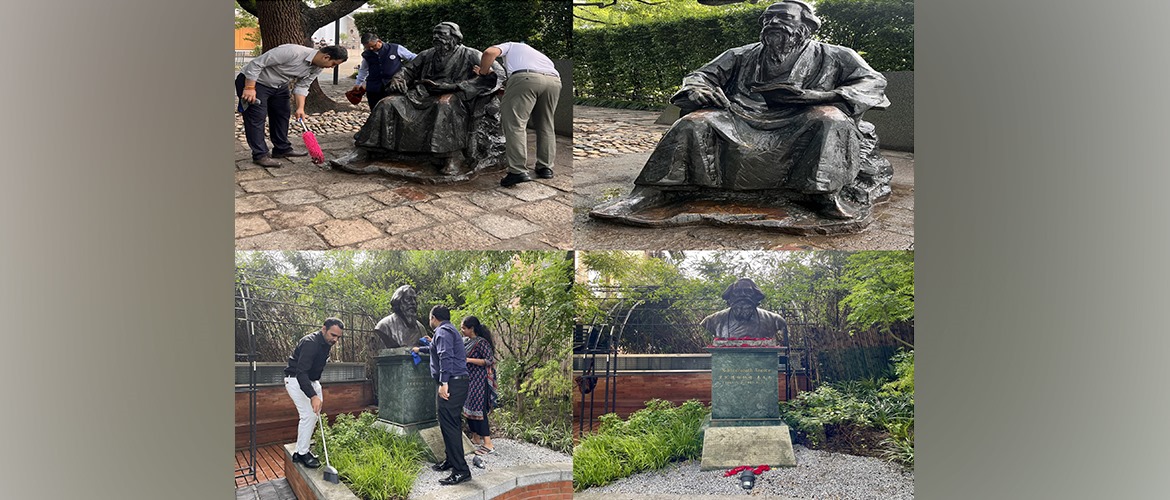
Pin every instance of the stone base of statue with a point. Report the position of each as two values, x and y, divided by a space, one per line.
417 167
775 210
745 426
406 392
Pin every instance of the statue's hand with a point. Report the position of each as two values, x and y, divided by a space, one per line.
708 98
398 85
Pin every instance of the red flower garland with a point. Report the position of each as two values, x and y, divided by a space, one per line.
757 470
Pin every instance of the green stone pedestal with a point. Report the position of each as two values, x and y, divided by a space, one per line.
745 426
406 392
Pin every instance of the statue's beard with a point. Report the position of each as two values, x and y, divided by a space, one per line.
743 312
783 39
445 47
406 315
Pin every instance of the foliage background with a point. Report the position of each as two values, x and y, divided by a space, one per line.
635 55
853 311
544 24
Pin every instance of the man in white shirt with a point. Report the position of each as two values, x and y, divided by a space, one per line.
263 85
532 91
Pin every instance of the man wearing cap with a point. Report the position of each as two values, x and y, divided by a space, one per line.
302 380
534 86
263 85
434 101
449 369
806 137
380 62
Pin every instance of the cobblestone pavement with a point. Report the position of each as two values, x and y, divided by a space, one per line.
302 207
610 149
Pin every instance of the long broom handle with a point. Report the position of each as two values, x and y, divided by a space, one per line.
302 122
323 445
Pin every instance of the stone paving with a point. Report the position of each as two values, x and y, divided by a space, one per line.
276 489
302 207
610 149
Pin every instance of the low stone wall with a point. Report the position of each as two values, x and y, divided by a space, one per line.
542 482
635 388
276 416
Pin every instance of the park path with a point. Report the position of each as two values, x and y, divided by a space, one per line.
302 207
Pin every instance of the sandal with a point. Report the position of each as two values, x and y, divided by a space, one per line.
484 450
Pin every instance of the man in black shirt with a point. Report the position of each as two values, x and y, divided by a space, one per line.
302 379
449 369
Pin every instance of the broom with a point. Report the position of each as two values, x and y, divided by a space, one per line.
311 144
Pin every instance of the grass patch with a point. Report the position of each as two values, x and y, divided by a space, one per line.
651 438
374 463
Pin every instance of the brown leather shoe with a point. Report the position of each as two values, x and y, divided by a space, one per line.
290 154
266 161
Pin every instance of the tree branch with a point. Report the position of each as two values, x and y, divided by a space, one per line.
315 18
248 6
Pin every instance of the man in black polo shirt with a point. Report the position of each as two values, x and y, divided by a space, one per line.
449 369
302 379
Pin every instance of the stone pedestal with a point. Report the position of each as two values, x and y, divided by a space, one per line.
406 392
745 426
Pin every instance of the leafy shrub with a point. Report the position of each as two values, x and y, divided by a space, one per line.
649 439
862 417
376 464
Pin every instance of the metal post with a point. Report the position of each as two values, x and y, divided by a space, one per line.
336 41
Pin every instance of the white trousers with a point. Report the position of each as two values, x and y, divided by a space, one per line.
304 405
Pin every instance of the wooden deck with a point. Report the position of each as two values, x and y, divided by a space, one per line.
269 464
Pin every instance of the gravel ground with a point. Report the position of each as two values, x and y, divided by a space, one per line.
818 474
509 453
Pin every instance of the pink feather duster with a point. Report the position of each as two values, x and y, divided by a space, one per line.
315 152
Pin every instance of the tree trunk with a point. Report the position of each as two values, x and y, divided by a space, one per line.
281 22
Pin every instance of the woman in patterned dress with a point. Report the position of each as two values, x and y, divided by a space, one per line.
481 376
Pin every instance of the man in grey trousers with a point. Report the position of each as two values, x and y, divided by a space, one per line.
533 88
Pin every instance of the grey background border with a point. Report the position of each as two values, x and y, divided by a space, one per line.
1041 250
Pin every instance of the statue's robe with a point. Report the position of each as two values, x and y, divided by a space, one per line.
764 325
421 122
749 146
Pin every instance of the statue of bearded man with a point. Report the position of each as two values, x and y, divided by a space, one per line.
401 328
438 108
744 318
781 116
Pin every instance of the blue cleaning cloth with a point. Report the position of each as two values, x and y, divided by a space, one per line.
417 358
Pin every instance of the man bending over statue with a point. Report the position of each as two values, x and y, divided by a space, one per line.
783 113
434 102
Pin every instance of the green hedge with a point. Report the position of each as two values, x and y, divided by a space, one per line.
881 30
544 24
645 63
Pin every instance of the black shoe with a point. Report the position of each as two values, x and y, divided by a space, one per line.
544 173
441 466
455 478
513 179
289 154
265 161
308 460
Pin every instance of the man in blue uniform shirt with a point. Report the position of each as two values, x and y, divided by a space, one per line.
380 62
449 369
